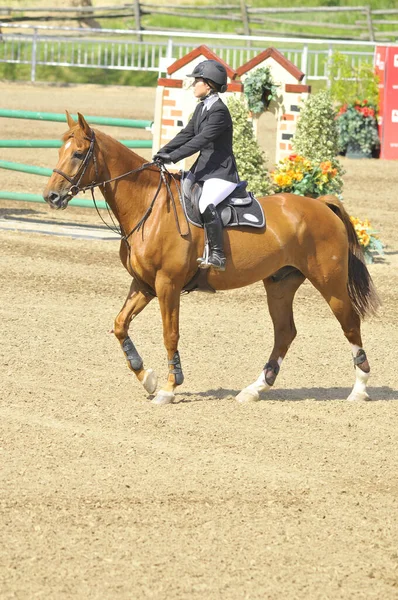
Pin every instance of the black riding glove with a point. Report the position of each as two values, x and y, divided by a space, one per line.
162 157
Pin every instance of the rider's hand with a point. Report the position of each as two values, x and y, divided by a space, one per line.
162 157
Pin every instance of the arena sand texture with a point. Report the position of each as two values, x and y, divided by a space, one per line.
105 496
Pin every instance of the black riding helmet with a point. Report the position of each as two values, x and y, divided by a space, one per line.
213 71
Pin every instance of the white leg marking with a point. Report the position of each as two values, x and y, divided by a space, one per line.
163 397
252 392
150 381
359 390
355 349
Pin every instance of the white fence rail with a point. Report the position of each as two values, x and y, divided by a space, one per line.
153 51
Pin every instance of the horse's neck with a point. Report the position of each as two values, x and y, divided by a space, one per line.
128 197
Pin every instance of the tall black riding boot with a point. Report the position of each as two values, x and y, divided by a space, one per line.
214 232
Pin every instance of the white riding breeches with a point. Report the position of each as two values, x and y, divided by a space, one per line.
214 191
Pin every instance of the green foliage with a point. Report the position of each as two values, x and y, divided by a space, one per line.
356 92
348 81
316 135
357 128
260 89
250 158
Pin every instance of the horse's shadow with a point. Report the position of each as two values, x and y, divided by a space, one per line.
17 212
23 214
318 394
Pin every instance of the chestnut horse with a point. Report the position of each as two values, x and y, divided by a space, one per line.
304 238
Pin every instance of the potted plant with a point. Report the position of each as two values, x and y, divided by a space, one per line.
355 91
357 126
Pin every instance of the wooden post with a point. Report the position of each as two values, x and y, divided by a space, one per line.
245 18
368 14
137 16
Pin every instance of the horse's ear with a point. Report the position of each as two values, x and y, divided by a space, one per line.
70 121
84 125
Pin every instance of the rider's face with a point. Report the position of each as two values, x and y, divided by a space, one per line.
200 88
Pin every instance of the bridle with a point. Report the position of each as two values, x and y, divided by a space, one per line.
78 176
75 188
75 179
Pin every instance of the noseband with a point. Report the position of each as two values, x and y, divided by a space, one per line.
77 177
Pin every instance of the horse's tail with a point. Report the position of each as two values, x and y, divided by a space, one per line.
360 286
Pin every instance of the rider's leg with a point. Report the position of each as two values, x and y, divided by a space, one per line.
214 233
214 191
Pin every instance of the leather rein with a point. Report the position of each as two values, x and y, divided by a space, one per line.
76 179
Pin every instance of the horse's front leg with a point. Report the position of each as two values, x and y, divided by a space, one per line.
169 300
135 302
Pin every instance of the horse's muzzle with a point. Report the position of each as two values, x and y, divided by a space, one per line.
56 200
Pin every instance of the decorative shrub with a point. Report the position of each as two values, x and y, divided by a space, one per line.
250 158
317 134
357 127
260 89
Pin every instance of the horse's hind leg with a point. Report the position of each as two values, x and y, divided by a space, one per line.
340 303
135 302
280 295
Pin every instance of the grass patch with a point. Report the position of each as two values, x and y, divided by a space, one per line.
78 76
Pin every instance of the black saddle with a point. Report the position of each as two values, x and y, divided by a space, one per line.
238 209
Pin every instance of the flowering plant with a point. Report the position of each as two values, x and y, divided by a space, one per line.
357 127
368 239
299 175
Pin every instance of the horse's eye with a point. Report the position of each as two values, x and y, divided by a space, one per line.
78 155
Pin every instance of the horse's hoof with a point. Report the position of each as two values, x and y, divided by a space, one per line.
163 397
358 397
150 381
248 395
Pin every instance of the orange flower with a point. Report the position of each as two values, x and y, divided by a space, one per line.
326 166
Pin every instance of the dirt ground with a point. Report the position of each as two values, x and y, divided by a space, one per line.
107 496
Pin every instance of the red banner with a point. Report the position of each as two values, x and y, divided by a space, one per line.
380 61
386 62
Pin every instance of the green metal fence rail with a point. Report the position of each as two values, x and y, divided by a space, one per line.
58 143
60 117
44 172
22 197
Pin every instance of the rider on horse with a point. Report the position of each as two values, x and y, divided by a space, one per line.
208 132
